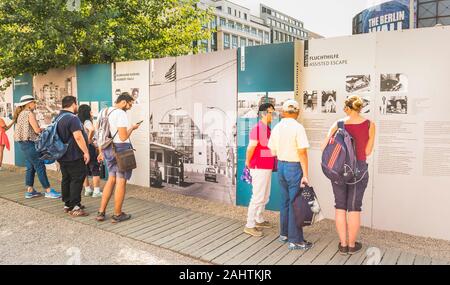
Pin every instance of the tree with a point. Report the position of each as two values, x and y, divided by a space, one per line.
38 35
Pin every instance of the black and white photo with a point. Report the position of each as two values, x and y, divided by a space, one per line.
358 83
329 101
397 105
310 101
393 82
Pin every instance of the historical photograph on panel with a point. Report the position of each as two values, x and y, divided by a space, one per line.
394 105
394 82
248 104
310 101
49 90
358 83
2 96
329 101
193 125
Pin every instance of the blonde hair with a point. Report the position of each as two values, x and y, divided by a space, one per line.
17 112
355 103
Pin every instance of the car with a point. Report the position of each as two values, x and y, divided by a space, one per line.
210 174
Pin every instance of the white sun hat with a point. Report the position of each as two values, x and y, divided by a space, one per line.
25 100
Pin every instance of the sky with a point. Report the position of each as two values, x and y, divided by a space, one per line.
329 18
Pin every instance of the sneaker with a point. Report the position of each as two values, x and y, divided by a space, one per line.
302 246
88 193
100 216
120 218
264 224
253 232
97 194
343 249
32 194
52 194
357 248
66 209
283 239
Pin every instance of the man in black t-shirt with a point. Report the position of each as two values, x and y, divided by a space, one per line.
73 162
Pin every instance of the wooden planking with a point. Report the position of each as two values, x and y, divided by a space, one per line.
216 242
327 254
133 208
437 261
276 256
168 218
358 258
422 260
163 227
248 243
154 222
317 249
186 229
390 257
371 259
262 254
252 250
228 246
170 230
293 255
208 236
406 258
137 218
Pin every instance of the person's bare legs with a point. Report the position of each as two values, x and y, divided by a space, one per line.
96 181
107 192
2 149
354 225
341 226
119 195
86 182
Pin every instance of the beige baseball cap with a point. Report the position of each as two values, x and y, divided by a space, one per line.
291 106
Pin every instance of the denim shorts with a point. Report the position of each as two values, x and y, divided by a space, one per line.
350 197
111 162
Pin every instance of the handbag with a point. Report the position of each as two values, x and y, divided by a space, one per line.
305 207
126 160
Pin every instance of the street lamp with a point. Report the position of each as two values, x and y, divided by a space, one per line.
170 110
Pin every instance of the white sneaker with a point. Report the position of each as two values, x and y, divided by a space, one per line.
87 193
97 194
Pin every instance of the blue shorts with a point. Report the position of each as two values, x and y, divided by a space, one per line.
350 197
111 162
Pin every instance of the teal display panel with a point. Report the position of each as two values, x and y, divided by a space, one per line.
269 71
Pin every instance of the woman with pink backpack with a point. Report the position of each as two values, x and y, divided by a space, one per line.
349 195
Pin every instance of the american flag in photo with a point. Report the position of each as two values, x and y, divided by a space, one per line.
171 75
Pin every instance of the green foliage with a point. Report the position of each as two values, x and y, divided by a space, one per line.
38 35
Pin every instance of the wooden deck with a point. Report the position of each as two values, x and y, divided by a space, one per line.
209 238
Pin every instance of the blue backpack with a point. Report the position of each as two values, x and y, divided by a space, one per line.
49 145
339 162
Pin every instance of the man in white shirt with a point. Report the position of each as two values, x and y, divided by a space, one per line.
288 141
120 130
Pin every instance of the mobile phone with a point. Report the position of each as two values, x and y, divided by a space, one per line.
140 122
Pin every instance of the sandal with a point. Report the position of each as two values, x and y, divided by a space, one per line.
78 213
120 218
100 216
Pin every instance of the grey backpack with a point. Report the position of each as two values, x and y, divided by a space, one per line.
104 139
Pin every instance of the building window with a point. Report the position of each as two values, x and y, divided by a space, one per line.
223 22
247 29
243 42
235 13
264 10
231 24
266 38
257 43
269 12
260 35
250 43
254 31
226 41
219 8
245 16
214 42
214 23
239 26
234 42
229 10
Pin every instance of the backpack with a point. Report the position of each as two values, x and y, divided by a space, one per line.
339 162
49 144
104 138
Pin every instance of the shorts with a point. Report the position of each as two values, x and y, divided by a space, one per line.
350 197
111 162
93 166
